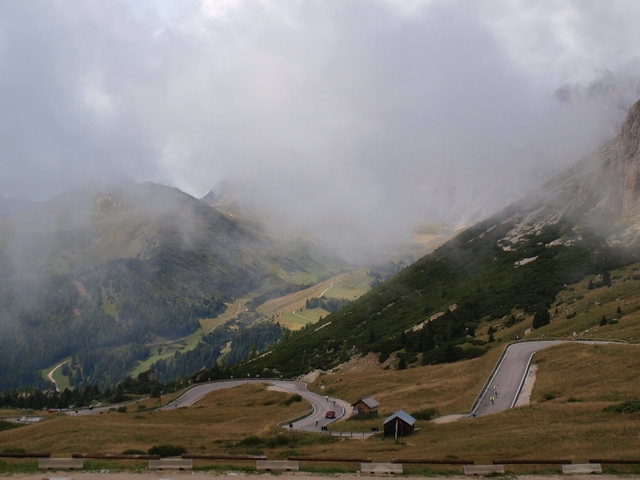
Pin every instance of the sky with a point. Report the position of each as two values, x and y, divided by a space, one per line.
357 119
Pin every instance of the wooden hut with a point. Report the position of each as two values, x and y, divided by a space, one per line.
400 424
365 406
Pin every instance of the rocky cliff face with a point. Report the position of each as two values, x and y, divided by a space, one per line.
601 191
628 158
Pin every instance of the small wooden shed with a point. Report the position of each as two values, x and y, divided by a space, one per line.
400 424
366 406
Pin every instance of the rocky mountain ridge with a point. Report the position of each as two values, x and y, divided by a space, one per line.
601 192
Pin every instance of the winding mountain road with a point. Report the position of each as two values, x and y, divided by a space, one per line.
508 377
313 423
511 372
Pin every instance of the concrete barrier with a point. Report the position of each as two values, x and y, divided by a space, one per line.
482 469
61 463
383 468
171 464
581 468
282 465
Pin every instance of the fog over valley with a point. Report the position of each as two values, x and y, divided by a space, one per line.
359 121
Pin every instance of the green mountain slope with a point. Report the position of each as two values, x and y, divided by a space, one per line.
585 221
96 273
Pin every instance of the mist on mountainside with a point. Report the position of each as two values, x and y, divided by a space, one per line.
100 271
353 120
447 194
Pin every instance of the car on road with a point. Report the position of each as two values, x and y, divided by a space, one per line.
330 414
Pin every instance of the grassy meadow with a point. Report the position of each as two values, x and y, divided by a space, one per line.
289 310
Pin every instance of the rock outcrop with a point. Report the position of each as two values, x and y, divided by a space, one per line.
601 191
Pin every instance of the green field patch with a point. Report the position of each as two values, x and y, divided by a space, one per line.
352 285
349 285
61 380
297 320
108 306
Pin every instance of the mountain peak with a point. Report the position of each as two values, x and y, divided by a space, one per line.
209 198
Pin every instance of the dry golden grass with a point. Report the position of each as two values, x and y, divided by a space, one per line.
225 416
451 388
350 285
589 373
8 412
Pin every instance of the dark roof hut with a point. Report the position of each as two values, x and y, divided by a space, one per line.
400 424
367 406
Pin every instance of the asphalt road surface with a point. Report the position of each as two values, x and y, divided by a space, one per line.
313 423
510 375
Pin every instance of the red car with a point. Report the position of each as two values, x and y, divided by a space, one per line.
330 414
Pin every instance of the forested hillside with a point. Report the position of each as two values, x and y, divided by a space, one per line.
100 271
245 342
434 306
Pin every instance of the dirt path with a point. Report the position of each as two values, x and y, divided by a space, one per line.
50 375
297 314
329 287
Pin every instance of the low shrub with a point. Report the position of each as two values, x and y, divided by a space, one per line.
425 414
251 441
293 398
287 439
4 425
364 416
167 450
133 451
14 450
630 406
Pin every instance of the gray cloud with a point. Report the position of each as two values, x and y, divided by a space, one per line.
357 119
